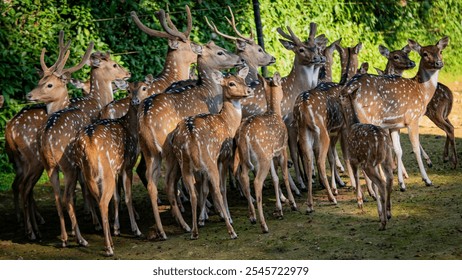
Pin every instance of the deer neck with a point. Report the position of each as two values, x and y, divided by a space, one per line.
100 88
300 78
391 70
349 66
231 113
210 91
59 104
174 69
349 114
275 105
130 121
428 81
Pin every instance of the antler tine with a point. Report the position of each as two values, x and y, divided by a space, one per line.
295 39
283 34
163 21
82 62
170 23
233 24
189 28
215 29
148 30
45 69
313 29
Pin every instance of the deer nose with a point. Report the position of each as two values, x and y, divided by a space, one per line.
29 96
411 64
254 84
439 64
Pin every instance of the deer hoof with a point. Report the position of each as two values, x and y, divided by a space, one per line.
402 187
310 210
82 242
194 236
233 235
264 229
109 252
427 182
253 220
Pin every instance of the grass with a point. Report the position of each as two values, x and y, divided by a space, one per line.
426 224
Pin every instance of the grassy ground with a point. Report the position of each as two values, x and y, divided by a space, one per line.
426 224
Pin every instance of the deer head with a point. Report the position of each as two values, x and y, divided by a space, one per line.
397 61
53 85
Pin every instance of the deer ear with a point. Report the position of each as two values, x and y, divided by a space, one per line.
287 44
197 49
358 47
217 77
443 43
339 49
406 49
414 45
243 72
148 79
384 51
95 61
65 77
241 44
173 44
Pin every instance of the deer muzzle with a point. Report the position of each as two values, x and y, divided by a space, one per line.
439 64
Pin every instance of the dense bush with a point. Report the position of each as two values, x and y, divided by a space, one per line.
27 26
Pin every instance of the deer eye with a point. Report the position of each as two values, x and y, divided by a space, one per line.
396 57
425 54
50 85
115 65
232 84
144 88
301 50
220 53
260 50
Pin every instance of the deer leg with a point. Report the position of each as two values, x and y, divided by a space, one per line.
261 173
104 207
70 181
450 141
373 174
359 193
173 174
292 131
223 168
141 171
320 152
213 175
399 153
413 130
127 177
306 151
116 199
332 155
275 179
243 175
370 188
338 163
188 179
203 194
425 156
153 193
54 179
285 174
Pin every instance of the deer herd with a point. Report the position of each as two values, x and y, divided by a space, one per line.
221 126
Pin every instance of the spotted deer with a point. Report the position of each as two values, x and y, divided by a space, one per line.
439 107
394 102
106 151
369 148
181 51
57 137
194 146
325 73
260 139
319 119
159 114
303 76
21 133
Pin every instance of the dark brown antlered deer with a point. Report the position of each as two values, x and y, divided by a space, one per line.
159 114
439 107
369 148
57 136
106 151
21 134
192 149
319 119
394 102
261 139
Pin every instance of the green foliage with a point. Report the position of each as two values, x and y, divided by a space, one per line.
27 26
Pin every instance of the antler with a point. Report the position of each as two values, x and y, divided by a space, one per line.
313 29
233 24
290 37
215 29
63 53
78 66
171 32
